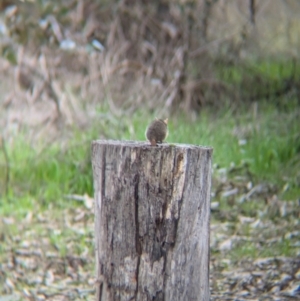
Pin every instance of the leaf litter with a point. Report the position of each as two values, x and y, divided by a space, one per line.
255 252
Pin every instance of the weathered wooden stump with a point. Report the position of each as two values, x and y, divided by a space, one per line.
152 211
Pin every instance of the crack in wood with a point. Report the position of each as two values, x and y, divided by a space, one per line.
137 228
100 291
103 173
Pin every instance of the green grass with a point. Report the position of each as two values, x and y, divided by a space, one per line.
268 142
272 70
249 250
274 79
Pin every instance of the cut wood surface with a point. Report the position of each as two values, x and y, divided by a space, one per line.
152 210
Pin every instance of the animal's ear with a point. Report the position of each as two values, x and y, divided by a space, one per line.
166 121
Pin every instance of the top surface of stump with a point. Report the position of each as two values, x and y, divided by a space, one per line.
144 144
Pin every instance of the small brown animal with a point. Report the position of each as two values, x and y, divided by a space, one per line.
157 131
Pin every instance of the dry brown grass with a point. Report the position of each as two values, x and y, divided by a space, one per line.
157 56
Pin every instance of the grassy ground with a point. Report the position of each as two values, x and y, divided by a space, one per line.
262 140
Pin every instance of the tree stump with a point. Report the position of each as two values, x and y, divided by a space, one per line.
152 212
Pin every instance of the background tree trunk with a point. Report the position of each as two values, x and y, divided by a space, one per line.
152 209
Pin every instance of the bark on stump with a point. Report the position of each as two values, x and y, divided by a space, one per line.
152 211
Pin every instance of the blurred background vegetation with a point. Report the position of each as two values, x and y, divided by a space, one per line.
226 73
